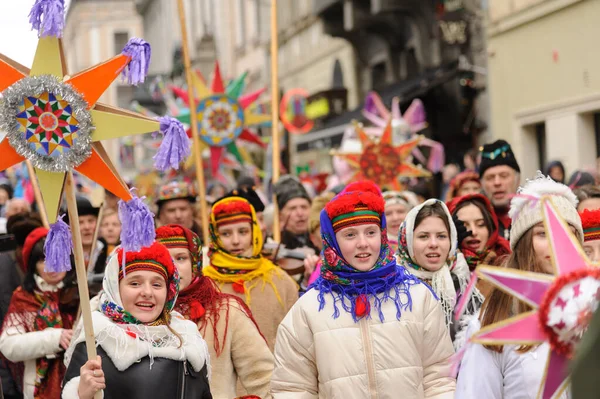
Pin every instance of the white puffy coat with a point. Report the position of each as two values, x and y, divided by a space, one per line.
318 356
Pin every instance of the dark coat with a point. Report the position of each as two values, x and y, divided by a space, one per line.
167 379
10 279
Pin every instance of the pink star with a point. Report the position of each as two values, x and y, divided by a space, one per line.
561 303
560 325
576 290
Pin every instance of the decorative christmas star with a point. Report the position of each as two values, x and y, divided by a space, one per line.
223 114
562 303
382 162
404 127
55 120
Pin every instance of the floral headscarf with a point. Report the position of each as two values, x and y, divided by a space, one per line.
111 304
355 289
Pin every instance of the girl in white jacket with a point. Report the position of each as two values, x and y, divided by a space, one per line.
366 328
37 327
428 249
515 372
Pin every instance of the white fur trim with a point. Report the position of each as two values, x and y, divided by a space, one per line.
124 350
526 210
71 389
460 339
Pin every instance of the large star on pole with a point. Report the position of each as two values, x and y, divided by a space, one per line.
562 303
55 121
382 162
224 114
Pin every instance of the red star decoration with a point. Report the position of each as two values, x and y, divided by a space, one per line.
381 162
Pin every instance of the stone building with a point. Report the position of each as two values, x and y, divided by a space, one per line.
544 78
95 31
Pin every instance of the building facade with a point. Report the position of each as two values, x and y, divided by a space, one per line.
544 79
95 31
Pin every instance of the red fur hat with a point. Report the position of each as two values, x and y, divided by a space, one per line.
590 221
155 258
359 203
32 239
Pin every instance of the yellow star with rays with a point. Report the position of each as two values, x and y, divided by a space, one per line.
49 128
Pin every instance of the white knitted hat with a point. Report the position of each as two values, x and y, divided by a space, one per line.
526 209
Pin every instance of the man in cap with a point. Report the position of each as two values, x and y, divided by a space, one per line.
95 253
500 177
175 202
294 209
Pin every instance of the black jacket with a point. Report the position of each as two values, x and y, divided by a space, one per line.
10 279
167 379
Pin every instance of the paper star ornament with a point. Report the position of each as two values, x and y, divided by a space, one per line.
382 162
55 120
224 114
562 302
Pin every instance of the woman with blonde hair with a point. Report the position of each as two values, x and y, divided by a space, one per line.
510 371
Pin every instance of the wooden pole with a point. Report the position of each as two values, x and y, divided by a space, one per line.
37 194
82 283
194 122
275 115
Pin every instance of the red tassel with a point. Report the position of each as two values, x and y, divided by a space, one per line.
238 287
131 334
196 310
362 305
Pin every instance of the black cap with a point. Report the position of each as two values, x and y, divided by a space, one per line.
496 154
287 188
84 208
249 195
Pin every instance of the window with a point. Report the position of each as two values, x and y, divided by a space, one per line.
240 29
120 40
208 16
597 132
260 30
540 139
378 75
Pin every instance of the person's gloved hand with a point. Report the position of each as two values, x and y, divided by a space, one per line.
461 230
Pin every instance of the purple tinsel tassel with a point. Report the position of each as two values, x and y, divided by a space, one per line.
139 50
138 224
370 104
58 247
175 145
48 17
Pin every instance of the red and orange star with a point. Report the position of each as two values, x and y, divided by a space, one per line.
381 162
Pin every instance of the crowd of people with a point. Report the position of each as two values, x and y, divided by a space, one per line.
356 301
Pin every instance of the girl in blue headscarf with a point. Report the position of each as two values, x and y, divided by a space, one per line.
366 327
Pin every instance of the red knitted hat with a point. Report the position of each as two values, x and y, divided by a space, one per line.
359 203
32 239
172 236
230 212
590 221
155 258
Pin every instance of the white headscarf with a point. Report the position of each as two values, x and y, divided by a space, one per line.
125 344
441 280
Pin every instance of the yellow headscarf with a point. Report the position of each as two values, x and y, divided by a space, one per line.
227 268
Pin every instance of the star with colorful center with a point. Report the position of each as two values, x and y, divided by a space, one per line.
562 303
382 162
224 114
55 120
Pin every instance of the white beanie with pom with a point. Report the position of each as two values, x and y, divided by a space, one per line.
526 208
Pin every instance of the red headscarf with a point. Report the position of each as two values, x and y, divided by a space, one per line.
495 247
201 301
37 311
